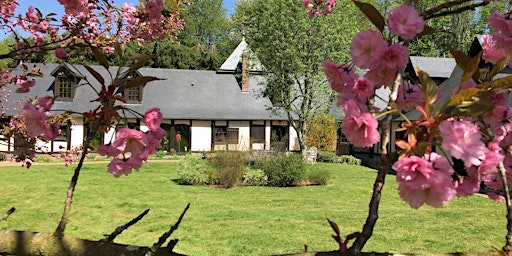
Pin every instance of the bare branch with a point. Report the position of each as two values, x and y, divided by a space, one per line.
7 214
167 234
120 229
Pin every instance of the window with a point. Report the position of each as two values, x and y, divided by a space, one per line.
132 93
258 134
64 86
220 134
65 132
232 136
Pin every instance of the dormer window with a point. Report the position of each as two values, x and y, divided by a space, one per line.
64 84
64 87
131 93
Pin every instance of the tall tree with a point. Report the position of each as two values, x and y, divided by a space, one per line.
291 45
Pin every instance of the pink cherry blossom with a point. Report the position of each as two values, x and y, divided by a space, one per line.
462 139
396 56
364 87
118 167
405 22
470 184
491 53
341 76
35 118
129 140
500 22
409 96
381 75
367 48
360 128
424 180
153 118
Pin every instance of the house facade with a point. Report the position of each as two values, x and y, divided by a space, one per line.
202 110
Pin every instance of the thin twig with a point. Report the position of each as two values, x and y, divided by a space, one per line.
459 10
6 215
120 229
167 234
508 237
59 231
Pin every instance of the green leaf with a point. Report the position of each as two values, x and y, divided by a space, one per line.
100 57
95 74
499 66
429 87
335 227
501 83
479 104
372 13
119 49
461 58
139 81
463 96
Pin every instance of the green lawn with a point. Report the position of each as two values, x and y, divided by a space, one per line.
243 220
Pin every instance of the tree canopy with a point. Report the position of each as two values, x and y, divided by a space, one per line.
291 45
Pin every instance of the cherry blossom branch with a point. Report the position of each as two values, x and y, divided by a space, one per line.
508 237
7 214
120 229
434 12
59 231
373 213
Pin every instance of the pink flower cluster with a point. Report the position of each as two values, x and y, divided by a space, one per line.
381 61
37 119
131 147
499 43
318 7
425 180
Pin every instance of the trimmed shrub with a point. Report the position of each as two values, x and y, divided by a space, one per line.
327 157
230 166
330 157
283 170
196 171
346 159
160 154
255 177
3 157
318 177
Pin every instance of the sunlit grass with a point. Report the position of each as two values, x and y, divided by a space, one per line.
243 220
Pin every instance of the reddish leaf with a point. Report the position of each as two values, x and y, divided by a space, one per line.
427 31
372 13
95 74
334 226
100 57
500 65
139 81
352 236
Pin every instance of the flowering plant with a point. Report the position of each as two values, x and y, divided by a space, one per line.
102 28
453 146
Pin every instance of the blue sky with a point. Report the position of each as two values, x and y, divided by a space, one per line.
54 6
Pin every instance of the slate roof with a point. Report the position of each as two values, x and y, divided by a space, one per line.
435 67
233 62
184 94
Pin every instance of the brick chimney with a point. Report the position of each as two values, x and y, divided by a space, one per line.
245 71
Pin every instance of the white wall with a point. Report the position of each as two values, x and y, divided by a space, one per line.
201 135
244 135
77 132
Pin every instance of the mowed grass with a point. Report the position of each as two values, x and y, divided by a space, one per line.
243 220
